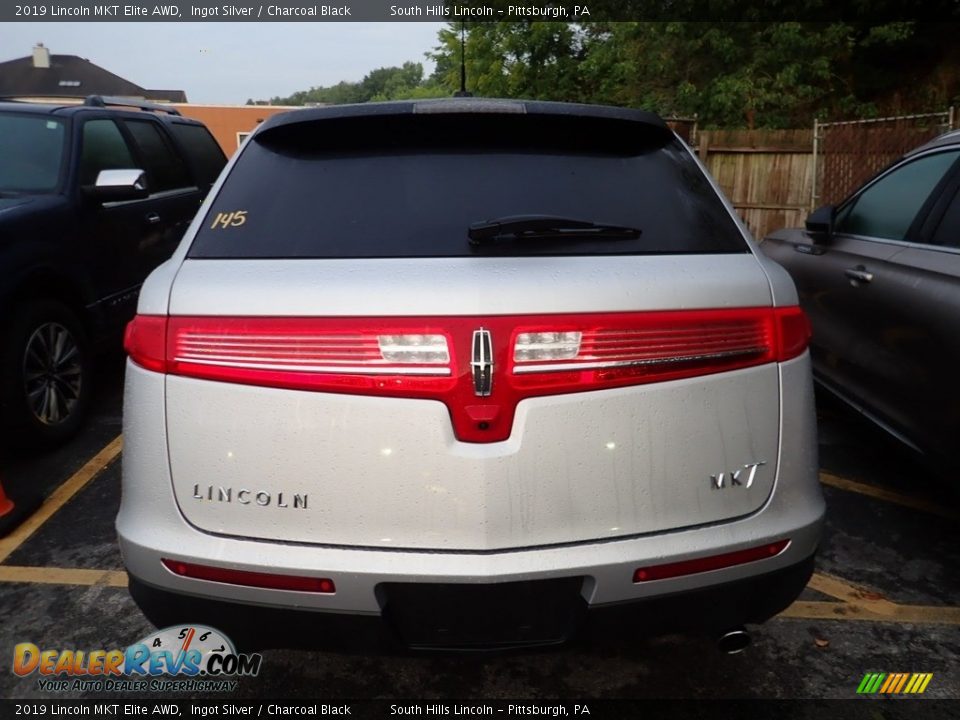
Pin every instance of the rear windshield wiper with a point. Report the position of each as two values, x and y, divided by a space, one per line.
546 226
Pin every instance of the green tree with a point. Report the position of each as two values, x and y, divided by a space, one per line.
389 83
512 59
774 74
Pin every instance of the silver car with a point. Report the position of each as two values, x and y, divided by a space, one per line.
485 372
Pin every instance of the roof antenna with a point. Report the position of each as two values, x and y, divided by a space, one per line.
462 92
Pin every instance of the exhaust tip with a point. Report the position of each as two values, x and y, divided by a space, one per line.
734 641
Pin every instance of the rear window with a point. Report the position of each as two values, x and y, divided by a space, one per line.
411 186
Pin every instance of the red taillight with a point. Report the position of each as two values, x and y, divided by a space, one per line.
419 357
588 352
334 354
712 562
250 579
793 332
145 341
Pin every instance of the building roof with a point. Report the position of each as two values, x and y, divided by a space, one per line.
71 76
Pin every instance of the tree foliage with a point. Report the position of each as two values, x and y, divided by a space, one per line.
387 83
775 74
772 74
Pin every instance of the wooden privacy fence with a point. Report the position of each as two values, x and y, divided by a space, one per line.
766 174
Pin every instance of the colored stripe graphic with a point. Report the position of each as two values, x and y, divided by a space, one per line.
894 683
891 680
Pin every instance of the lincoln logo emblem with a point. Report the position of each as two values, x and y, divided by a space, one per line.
481 364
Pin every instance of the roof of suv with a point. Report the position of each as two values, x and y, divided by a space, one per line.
458 106
108 104
945 140
36 108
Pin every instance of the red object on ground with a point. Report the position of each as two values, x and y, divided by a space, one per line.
12 514
6 504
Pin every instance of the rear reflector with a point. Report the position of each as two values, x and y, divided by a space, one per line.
250 579
441 358
712 562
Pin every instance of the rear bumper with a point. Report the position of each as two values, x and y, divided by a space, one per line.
713 609
151 527
607 567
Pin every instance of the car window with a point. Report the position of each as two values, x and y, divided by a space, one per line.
165 168
103 149
414 186
948 232
31 148
199 144
888 207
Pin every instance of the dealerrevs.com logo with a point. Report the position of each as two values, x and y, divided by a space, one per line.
187 658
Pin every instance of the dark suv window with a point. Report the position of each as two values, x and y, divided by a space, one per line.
103 149
165 169
948 232
887 208
31 152
411 186
199 144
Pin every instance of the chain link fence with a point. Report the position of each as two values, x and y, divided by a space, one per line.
846 154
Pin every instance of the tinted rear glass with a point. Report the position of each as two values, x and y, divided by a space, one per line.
411 186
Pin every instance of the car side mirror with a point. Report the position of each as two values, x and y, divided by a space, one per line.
820 223
119 185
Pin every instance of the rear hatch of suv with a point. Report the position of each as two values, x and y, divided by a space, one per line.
469 326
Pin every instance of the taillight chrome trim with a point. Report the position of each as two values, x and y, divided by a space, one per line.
560 366
372 369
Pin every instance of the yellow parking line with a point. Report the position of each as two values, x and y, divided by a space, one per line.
62 576
61 496
840 589
913 614
927 506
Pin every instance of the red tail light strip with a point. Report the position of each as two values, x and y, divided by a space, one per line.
416 357
298 345
250 579
663 339
712 562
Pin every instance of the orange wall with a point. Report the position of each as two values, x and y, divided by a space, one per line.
225 121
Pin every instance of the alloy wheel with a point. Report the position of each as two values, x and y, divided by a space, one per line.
52 373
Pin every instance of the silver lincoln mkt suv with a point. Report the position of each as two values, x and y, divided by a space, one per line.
487 372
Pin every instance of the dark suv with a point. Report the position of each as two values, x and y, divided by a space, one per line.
92 198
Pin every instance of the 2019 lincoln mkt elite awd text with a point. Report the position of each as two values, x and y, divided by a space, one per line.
419 357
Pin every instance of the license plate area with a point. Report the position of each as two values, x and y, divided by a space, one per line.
484 616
